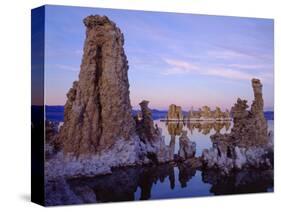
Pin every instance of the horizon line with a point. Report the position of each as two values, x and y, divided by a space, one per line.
265 110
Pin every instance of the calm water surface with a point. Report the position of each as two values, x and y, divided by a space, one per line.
198 132
168 181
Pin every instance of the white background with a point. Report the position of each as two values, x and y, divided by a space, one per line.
15 104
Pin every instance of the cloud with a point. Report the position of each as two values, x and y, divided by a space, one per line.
182 67
67 68
248 66
179 67
181 64
227 54
228 73
227 51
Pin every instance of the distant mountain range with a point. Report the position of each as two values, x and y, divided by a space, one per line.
55 113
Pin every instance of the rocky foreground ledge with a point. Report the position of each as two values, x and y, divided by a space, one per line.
100 133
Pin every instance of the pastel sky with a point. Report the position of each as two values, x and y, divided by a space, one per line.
185 59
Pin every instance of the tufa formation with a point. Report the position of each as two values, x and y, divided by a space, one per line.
248 145
98 109
187 148
249 126
175 112
205 113
144 124
99 131
152 141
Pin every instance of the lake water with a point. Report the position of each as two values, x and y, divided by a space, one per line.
199 132
170 181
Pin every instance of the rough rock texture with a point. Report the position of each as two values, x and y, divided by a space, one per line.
152 141
248 144
187 148
98 131
259 121
144 125
194 114
249 126
175 112
205 113
231 157
98 110
52 145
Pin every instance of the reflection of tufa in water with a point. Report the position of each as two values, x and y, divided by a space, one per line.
187 147
241 182
99 132
175 128
206 127
151 182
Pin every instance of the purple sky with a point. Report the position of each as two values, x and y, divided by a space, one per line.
188 60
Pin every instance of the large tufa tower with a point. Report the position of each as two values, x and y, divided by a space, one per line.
98 109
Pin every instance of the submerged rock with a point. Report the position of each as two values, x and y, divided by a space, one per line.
248 145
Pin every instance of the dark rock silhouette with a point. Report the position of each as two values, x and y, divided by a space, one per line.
124 183
242 182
